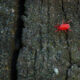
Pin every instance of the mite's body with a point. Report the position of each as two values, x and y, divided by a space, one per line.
63 27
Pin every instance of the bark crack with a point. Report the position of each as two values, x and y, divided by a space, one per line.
64 13
35 59
40 30
48 22
70 58
68 45
77 6
18 40
77 10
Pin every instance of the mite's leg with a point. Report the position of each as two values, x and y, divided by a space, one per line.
69 29
56 30
57 25
66 31
68 21
63 21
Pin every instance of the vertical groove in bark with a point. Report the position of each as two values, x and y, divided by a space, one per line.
18 40
63 9
68 45
70 59
48 23
77 6
40 30
35 59
77 10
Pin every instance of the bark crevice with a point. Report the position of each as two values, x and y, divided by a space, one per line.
35 60
40 29
63 10
48 23
70 58
67 41
18 40
77 6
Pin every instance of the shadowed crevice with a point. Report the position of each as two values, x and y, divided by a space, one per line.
48 26
77 9
48 22
40 29
35 60
70 58
18 40
68 45
64 13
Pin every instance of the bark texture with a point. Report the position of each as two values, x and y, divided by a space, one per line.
47 55
30 49
8 18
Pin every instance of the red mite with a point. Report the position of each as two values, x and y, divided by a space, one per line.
63 27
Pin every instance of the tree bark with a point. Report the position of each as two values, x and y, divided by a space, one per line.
8 23
46 54
30 49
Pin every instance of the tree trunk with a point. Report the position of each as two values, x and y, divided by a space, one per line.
46 54
30 49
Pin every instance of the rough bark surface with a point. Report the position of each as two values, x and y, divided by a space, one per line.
8 19
47 55
30 49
